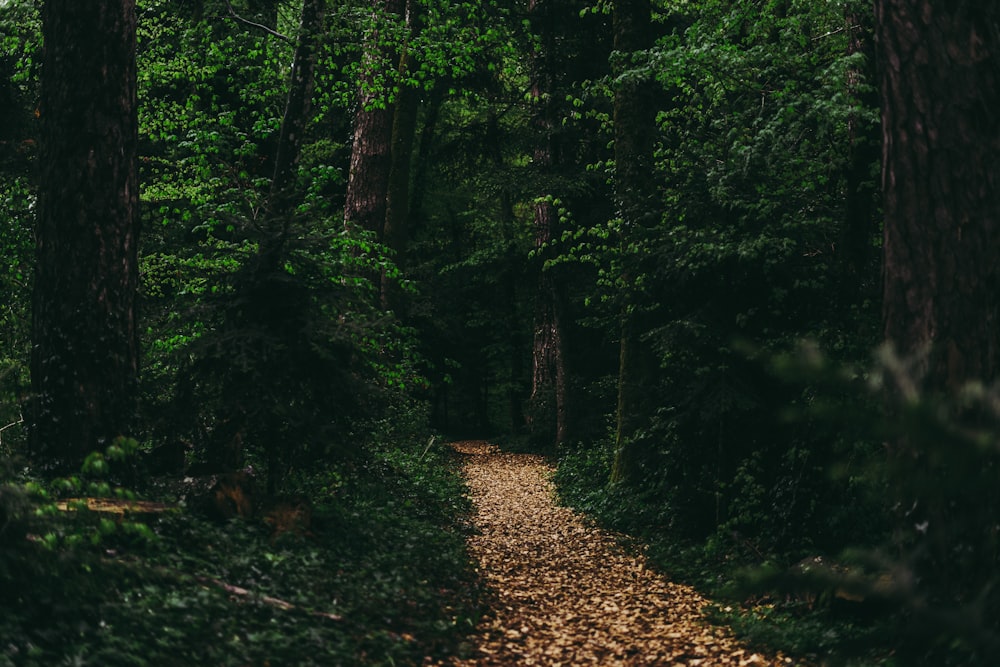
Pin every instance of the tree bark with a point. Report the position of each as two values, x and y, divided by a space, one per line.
368 179
548 385
549 376
634 189
941 185
84 360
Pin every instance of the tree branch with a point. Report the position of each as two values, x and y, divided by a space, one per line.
239 19
266 599
4 428
834 32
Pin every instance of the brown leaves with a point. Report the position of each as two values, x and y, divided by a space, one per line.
566 592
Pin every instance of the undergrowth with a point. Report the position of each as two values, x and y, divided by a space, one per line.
381 578
820 631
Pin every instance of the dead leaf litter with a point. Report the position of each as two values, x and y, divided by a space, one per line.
566 592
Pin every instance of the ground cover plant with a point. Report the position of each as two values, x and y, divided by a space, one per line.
379 576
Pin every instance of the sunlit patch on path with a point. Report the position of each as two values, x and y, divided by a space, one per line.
566 593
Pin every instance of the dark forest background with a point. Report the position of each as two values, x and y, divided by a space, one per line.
731 264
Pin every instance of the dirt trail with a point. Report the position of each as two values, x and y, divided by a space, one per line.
567 594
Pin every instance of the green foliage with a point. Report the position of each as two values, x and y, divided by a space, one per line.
15 294
265 344
19 44
386 555
811 633
254 360
752 158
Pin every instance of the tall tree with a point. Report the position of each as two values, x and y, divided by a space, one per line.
293 126
548 378
404 131
371 151
270 308
84 362
856 247
940 75
634 188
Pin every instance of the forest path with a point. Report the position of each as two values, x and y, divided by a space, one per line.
566 593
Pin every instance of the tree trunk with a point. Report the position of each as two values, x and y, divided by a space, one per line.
856 249
269 299
293 126
84 361
548 378
941 183
264 12
634 189
418 194
404 130
368 180
548 385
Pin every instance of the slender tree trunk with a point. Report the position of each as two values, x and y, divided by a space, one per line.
511 282
432 109
268 299
548 379
940 63
368 180
634 189
856 249
548 386
293 125
518 355
404 131
84 361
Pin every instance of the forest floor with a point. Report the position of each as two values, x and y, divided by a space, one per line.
565 592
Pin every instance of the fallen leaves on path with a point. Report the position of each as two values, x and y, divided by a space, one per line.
566 592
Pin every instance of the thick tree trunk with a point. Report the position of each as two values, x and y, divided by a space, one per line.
84 361
634 189
940 67
368 180
941 182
